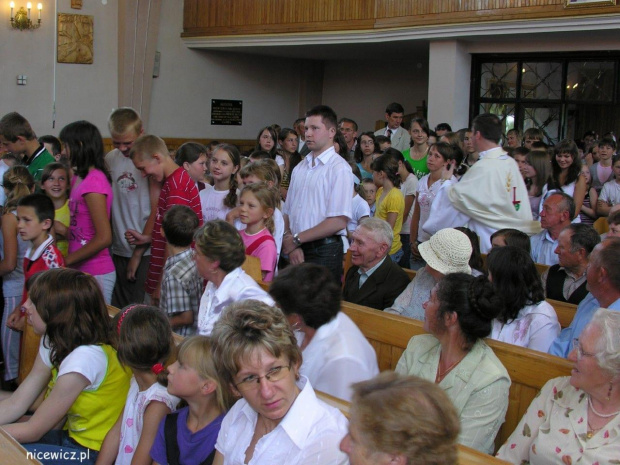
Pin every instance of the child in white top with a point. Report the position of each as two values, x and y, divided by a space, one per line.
359 206
370 194
217 202
144 344
610 194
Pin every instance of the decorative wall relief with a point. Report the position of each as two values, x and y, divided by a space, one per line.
75 39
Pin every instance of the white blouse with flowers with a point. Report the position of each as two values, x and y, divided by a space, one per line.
554 431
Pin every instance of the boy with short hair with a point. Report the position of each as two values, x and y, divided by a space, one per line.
131 209
601 171
17 136
370 193
181 285
150 156
532 135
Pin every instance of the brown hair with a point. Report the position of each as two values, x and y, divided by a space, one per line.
19 183
144 339
72 306
220 241
406 415
146 146
124 119
266 197
14 125
235 157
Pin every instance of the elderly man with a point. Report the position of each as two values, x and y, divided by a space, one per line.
490 196
374 280
556 214
603 276
566 281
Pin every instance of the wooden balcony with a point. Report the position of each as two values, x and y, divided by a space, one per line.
253 17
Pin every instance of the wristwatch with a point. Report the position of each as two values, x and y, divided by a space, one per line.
296 240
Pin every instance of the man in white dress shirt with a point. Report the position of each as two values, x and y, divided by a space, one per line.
490 196
398 135
319 201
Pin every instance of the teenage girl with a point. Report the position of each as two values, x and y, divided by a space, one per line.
588 213
364 150
288 150
536 170
390 200
417 154
224 164
267 140
87 384
55 183
256 207
566 174
189 435
440 156
145 343
90 204
18 183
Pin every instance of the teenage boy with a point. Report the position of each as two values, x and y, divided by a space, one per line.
17 136
601 171
181 285
35 218
131 209
532 135
150 156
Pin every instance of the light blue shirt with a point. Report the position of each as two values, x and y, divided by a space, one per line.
364 275
588 306
543 248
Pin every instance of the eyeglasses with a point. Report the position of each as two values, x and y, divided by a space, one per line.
580 352
252 382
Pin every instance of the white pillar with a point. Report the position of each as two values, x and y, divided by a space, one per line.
449 72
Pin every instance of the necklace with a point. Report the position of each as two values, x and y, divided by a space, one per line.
440 376
608 415
591 431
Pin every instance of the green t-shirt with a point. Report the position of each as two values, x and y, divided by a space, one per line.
419 166
35 167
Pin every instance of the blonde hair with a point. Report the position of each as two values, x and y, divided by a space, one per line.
124 119
195 351
266 197
18 183
221 242
230 200
146 146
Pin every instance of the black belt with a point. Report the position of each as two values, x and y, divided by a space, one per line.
320 242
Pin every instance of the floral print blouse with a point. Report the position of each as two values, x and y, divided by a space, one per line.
554 431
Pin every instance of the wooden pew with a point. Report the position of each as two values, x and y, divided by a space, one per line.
529 370
467 455
13 452
564 310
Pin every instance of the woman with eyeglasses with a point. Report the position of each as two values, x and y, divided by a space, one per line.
576 419
279 419
364 150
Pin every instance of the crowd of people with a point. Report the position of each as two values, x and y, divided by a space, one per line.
164 237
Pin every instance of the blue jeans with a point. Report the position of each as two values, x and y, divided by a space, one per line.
396 256
329 255
57 448
404 261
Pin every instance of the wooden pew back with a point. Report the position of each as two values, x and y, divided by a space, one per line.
529 370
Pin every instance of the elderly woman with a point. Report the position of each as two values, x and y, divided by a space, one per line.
576 419
458 316
336 353
527 319
448 251
401 419
219 255
279 419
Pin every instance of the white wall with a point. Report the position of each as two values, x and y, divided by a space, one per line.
189 79
361 90
82 91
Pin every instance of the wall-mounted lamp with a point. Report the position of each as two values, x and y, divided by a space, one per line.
21 20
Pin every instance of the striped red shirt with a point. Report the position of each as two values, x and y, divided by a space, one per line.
178 189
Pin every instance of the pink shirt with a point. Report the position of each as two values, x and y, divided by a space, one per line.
82 228
266 251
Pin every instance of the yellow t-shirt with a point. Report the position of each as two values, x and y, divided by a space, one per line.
64 216
393 202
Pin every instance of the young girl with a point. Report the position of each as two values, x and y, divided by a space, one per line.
440 156
188 436
359 207
55 183
588 213
256 207
18 183
390 200
224 164
267 140
145 343
610 194
90 203
86 382
536 170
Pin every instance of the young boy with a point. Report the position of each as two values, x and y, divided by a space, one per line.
150 156
131 209
17 136
35 218
601 171
532 135
610 194
370 194
181 285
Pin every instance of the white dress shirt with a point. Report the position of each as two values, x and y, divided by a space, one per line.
337 356
319 192
236 286
309 434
